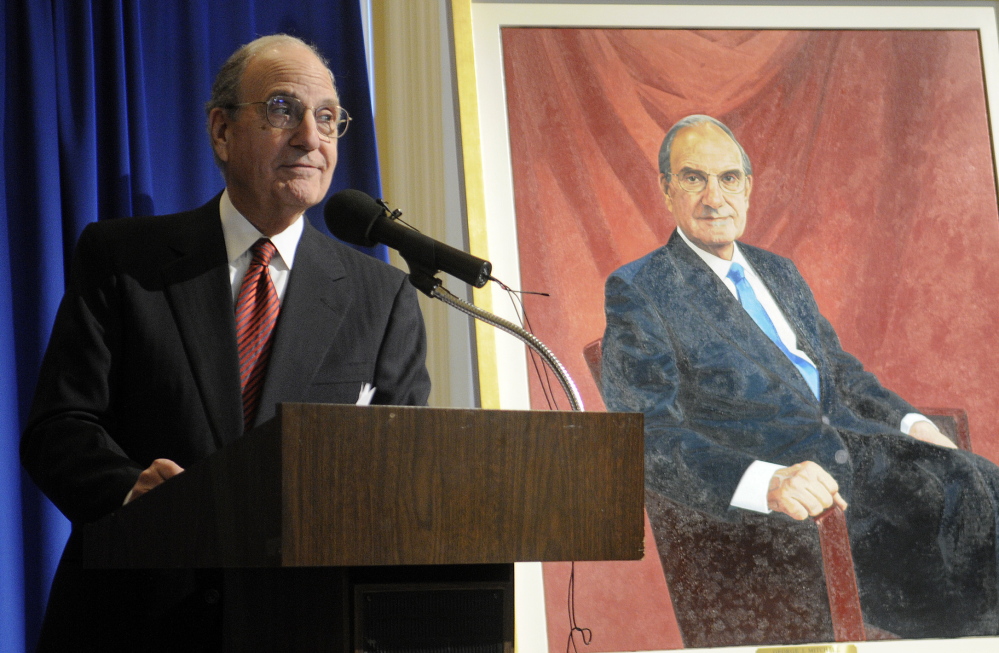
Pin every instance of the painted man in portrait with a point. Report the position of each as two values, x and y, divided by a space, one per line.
751 404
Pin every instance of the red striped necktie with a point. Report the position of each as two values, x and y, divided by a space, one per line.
257 309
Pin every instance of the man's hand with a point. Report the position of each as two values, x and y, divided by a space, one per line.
928 432
159 471
803 490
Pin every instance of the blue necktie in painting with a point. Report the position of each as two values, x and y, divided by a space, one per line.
755 309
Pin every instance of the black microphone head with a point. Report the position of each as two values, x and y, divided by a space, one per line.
350 214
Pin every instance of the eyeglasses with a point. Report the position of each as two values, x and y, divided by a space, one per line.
695 181
286 112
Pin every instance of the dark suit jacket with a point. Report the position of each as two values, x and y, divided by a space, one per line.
716 392
142 361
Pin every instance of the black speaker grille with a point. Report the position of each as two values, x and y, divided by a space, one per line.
432 620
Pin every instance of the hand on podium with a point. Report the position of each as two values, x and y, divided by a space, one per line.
159 471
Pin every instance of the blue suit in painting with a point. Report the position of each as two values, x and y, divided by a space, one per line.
718 394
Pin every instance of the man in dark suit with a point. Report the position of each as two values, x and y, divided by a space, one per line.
751 404
143 376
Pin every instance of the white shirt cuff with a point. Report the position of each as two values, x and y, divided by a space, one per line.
751 493
910 419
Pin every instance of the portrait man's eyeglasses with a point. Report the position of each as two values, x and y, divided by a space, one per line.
695 181
286 112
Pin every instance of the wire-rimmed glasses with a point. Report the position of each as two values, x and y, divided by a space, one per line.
732 182
286 112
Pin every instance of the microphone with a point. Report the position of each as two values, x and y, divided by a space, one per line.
357 218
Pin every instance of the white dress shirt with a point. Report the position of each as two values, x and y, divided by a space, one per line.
240 236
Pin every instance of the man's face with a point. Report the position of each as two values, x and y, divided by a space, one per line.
274 174
712 219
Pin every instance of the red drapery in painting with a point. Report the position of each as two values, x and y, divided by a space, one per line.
873 172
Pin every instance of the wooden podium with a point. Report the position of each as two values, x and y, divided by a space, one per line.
326 499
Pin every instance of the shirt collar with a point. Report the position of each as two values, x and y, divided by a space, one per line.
240 235
718 265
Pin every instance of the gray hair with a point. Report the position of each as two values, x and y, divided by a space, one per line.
667 147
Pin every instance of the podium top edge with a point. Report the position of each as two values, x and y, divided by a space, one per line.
297 406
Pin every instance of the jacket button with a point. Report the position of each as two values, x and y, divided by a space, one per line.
842 456
212 596
825 420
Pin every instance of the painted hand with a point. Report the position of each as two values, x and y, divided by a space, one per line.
803 490
928 432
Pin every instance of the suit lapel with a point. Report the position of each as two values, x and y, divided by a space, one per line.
200 295
790 298
315 303
722 312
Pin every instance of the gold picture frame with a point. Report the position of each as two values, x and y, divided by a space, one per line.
487 165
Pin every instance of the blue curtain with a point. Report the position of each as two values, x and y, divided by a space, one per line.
103 118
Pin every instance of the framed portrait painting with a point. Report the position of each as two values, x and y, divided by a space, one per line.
873 170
